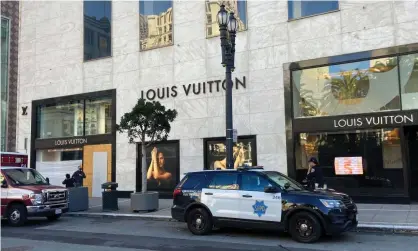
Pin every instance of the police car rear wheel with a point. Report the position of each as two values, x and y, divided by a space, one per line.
305 227
199 221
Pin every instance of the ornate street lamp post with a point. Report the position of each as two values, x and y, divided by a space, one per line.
228 29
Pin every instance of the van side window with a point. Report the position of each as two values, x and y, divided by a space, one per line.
225 181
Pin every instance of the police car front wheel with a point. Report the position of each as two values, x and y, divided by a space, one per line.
199 221
305 227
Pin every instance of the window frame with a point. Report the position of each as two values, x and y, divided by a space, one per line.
207 141
9 35
98 42
312 15
295 105
159 23
83 102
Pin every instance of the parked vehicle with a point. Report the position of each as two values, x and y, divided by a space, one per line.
255 198
14 159
26 193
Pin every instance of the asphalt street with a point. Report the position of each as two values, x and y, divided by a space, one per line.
87 234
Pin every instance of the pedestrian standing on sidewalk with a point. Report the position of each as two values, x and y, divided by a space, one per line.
78 176
315 174
68 182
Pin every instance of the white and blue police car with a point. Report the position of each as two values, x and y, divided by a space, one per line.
260 199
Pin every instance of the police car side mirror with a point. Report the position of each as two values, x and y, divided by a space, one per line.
270 189
3 184
47 180
286 186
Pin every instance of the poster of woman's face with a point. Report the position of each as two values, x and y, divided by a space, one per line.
244 153
162 166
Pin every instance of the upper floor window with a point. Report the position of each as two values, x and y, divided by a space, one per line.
153 15
5 34
408 65
304 8
239 7
97 29
350 88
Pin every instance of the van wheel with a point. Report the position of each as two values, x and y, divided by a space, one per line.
53 217
17 215
305 227
199 221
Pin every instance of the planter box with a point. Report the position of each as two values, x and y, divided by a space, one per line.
144 201
78 199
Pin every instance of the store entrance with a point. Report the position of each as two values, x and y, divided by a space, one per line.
97 165
411 133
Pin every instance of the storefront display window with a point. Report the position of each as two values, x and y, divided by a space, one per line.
162 166
55 163
352 160
409 81
60 120
359 87
244 153
98 116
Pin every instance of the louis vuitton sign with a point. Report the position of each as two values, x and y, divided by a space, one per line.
388 120
354 122
209 86
69 142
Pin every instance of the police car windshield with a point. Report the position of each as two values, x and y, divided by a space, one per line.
282 180
24 177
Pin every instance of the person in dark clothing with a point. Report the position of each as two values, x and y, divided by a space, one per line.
315 174
68 182
78 176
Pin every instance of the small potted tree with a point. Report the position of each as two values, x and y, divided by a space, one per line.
147 123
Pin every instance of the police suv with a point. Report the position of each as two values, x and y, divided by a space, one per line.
255 198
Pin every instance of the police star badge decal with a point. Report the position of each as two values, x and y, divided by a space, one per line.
259 208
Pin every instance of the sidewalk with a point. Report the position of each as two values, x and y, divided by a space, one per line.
389 218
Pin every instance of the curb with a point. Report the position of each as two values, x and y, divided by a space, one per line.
121 216
362 227
387 228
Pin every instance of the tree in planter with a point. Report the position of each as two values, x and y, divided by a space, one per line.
148 122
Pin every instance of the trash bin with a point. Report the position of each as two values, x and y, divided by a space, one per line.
110 196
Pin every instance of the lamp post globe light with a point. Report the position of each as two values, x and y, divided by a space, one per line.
228 28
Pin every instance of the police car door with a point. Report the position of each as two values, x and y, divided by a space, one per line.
255 204
221 196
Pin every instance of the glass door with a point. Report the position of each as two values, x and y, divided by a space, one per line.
412 142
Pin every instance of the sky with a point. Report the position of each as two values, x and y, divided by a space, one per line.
97 9
154 7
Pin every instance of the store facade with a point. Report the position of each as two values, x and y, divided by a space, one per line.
158 51
75 131
358 114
